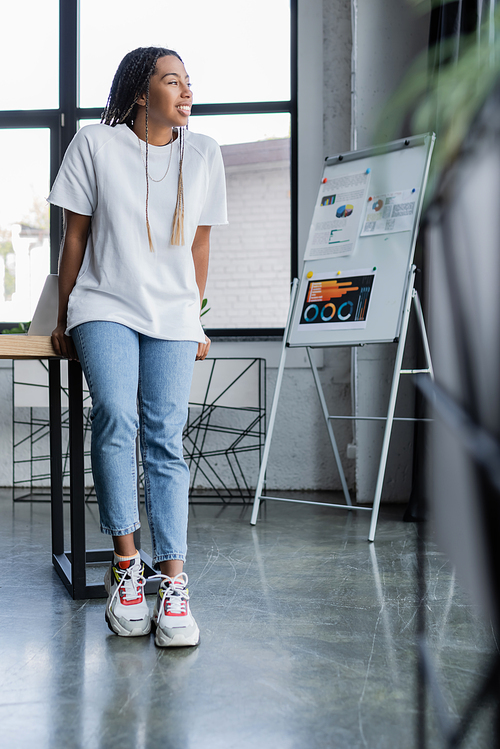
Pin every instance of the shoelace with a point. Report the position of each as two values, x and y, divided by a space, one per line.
176 596
130 579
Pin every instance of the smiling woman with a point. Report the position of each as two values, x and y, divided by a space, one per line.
130 294
152 105
170 101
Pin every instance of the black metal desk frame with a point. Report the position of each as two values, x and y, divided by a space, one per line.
71 566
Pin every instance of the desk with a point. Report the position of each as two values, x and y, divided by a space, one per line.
70 565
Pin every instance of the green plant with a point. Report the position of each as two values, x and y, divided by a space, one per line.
203 310
448 101
23 327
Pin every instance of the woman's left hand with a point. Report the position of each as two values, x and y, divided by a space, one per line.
203 349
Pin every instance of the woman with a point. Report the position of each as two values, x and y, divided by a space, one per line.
140 194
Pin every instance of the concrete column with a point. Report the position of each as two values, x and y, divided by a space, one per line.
389 37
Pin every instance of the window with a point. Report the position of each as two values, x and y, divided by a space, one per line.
230 54
24 218
29 55
244 85
249 279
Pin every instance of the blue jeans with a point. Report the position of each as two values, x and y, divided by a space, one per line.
138 382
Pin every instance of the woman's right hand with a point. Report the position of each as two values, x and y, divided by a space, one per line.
76 229
63 344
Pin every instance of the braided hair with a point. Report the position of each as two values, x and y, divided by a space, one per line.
132 79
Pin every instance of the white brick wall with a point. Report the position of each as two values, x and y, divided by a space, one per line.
249 278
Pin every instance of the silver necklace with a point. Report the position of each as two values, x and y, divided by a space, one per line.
170 142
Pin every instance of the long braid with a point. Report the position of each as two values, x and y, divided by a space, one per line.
148 227
177 235
131 79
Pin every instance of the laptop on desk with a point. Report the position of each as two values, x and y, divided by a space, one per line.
45 315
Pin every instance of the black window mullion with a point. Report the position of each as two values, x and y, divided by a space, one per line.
55 211
28 118
66 115
68 70
246 107
294 144
257 107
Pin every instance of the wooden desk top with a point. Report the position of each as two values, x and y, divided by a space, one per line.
26 347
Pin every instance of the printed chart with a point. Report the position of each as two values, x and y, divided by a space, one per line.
338 215
337 303
390 213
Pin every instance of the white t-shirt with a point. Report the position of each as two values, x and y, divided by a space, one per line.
103 175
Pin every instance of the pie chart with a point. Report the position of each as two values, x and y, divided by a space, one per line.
345 311
344 211
378 205
311 312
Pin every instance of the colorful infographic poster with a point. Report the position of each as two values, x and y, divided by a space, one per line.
338 214
390 213
338 302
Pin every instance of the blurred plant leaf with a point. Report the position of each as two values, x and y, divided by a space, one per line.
203 310
21 328
421 7
448 101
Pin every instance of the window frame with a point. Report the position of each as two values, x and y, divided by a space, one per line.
62 123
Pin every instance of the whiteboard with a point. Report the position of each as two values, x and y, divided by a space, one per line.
381 263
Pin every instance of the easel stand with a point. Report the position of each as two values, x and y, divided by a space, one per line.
411 297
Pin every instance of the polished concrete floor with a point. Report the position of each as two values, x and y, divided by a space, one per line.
307 640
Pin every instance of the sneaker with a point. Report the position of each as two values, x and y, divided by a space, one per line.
175 625
127 612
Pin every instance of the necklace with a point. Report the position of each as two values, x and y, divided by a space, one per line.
169 159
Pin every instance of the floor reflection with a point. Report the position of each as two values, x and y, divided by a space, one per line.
307 639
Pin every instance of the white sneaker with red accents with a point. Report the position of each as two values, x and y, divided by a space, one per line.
127 612
175 625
